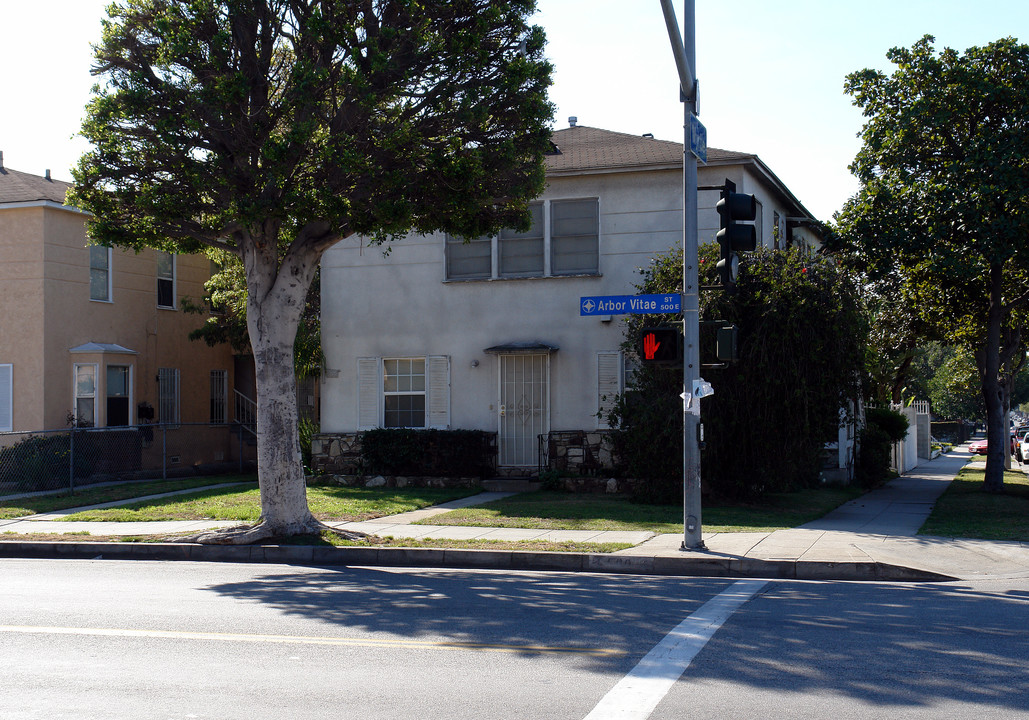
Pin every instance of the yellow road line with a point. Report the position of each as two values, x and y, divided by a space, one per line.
308 640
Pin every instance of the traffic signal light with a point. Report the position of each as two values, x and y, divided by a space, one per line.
733 209
660 345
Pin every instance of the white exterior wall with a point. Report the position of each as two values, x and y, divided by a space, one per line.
401 306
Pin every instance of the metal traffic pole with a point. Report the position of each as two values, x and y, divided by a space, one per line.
684 50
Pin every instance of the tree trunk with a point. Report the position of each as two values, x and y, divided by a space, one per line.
275 302
997 432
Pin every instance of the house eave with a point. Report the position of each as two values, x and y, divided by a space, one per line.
47 204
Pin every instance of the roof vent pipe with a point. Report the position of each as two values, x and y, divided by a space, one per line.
572 121
48 173
1 159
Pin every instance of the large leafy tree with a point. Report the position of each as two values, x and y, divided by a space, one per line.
944 171
271 129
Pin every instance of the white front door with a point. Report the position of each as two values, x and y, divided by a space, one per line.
524 408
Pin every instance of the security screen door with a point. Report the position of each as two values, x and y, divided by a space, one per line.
524 407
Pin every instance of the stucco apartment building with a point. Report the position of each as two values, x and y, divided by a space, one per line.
487 335
95 332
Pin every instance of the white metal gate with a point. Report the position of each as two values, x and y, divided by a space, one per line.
524 407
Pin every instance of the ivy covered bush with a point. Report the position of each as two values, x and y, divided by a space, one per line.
801 341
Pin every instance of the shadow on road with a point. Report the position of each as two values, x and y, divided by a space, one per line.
894 645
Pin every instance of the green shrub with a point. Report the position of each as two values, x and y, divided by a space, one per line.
874 456
40 463
648 442
307 429
891 422
801 343
433 453
883 428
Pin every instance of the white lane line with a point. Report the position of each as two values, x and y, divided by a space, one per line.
636 695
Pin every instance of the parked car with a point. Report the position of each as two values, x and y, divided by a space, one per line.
977 447
1023 449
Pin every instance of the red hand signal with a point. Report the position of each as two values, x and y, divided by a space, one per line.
650 346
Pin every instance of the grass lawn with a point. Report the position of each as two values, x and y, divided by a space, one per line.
327 502
966 511
565 511
93 495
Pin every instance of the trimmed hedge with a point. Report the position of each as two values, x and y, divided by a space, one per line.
437 453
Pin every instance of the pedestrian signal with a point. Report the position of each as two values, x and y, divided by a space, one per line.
660 345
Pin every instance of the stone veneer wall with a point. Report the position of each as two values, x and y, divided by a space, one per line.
336 453
579 452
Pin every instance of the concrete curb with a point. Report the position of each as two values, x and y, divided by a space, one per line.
684 566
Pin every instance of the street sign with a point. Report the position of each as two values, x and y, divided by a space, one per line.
630 305
698 139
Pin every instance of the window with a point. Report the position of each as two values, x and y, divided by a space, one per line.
6 398
404 392
165 280
99 273
521 254
168 396
219 396
85 394
469 260
575 228
118 389
563 239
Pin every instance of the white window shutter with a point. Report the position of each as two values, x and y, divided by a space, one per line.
368 391
609 384
438 402
6 398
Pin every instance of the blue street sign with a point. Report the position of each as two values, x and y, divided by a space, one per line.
630 305
698 139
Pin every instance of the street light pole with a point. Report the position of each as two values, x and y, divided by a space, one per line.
684 50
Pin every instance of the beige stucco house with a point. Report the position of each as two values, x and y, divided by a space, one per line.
487 335
94 332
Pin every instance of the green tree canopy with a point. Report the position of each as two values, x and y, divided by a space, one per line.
944 171
271 129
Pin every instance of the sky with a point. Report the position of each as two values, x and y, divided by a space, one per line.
771 74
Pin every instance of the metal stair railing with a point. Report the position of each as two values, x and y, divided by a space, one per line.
246 412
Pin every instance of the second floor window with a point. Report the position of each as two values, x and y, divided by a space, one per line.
99 273
563 239
165 280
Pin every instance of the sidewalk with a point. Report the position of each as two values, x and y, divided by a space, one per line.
870 538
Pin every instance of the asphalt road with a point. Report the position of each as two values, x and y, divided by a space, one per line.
112 639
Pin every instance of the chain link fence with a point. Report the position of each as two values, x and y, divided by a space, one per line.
70 458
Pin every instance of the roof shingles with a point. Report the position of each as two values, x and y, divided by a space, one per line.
584 149
18 186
